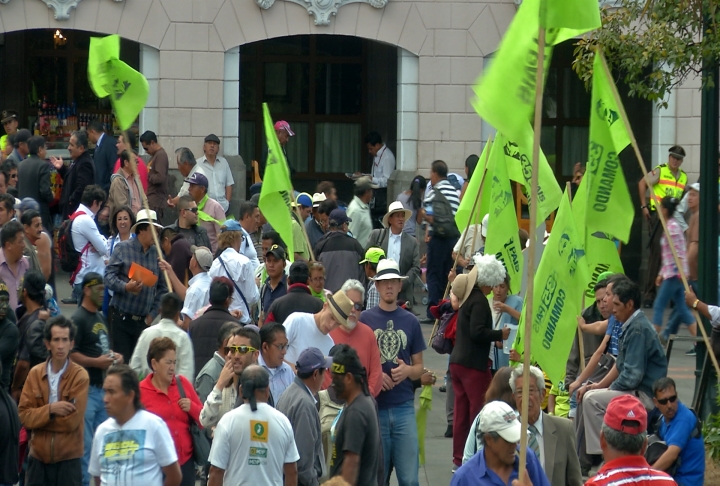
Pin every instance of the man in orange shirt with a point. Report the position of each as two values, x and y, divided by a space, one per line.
360 337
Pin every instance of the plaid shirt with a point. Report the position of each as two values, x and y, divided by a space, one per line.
669 269
125 254
373 298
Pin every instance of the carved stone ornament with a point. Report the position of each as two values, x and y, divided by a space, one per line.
61 7
321 9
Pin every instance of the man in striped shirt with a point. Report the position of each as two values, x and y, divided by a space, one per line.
623 440
439 248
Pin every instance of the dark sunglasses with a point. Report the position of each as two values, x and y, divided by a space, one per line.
663 401
357 307
193 210
239 349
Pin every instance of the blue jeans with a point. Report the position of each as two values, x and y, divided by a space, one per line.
398 431
671 289
674 322
95 414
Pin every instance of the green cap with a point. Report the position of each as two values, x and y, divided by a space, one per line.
373 255
605 275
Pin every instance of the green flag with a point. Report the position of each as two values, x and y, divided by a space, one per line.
557 295
503 239
609 206
518 157
276 194
109 76
462 216
506 91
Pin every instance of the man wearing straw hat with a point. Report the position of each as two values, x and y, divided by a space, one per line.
134 303
399 246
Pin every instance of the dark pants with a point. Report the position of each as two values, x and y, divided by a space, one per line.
439 262
125 330
63 473
470 386
654 256
188 473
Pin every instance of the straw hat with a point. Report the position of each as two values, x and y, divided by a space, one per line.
463 285
388 269
144 217
341 306
396 207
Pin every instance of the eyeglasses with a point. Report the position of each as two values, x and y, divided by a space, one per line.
281 347
314 279
664 401
192 210
357 307
239 349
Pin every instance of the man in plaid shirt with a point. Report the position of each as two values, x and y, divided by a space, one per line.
372 256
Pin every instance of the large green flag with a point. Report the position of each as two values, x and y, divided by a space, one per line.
506 91
609 206
276 194
462 215
109 76
518 157
503 239
557 295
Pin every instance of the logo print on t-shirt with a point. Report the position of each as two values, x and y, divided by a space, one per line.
122 452
389 342
258 431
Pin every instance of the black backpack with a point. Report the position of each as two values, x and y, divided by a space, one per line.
443 224
69 257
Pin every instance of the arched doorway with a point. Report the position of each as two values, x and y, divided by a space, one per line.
332 90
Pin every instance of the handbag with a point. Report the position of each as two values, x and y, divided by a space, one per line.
201 444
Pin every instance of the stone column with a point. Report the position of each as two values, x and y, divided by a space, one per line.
407 124
150 67
230 117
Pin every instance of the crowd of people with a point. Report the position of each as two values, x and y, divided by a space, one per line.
202 350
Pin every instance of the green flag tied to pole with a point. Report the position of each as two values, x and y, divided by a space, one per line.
609 207
559 283
276 194
462 215
506 91
109 76
421 419
503 239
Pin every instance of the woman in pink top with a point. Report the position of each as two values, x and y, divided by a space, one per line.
129 145
671 286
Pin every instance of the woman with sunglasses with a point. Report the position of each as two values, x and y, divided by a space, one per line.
172 398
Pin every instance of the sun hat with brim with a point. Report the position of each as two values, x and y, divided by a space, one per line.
303 199
230 225
387 269
498 417
341 306
145 217
373 255
396 207
463 285
317 198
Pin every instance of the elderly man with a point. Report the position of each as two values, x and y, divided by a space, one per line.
187 166
623 440
217 170
77 176
359 210
552 438
210 212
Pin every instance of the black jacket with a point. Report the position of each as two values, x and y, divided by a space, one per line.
297 299
10 433
204 333
104 159
341 255
9 341
34 182
474 334
201 236
76 177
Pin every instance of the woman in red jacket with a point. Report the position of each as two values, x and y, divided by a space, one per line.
160 395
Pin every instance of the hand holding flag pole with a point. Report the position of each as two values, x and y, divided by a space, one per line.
663 221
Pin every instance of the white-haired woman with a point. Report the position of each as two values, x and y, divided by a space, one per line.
470 358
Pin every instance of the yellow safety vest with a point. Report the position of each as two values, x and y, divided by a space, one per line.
667 185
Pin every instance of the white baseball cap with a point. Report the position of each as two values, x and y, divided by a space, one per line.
498 417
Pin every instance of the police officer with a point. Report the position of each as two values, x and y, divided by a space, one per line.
665 180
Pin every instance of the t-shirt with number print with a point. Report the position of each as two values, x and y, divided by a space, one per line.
252 447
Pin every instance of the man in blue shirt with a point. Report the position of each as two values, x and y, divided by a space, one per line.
497 463
680 430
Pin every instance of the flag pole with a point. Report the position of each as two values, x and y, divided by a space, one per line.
532 200
143 198
644 171
581 344
304 231
478 198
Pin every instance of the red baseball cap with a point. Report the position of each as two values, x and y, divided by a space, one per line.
626 414
283 125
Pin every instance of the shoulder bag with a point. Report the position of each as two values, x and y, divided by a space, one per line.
201 444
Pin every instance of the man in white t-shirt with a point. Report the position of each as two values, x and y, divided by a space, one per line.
253 444
313 330
133 446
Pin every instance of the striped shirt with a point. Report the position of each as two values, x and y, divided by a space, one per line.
447 190
630 471
669 269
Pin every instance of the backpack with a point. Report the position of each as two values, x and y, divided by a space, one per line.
440 341
69 257
443 218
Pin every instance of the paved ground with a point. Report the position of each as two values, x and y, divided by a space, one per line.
437 470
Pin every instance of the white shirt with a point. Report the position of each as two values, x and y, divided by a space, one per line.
252 447
185 354
185 188
219 177
303 333
393 252
132 453
247 248
714 315
84 231
242 273
383 166
468 248
280 377
541 441
361 224
99 141
197 295
54 380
